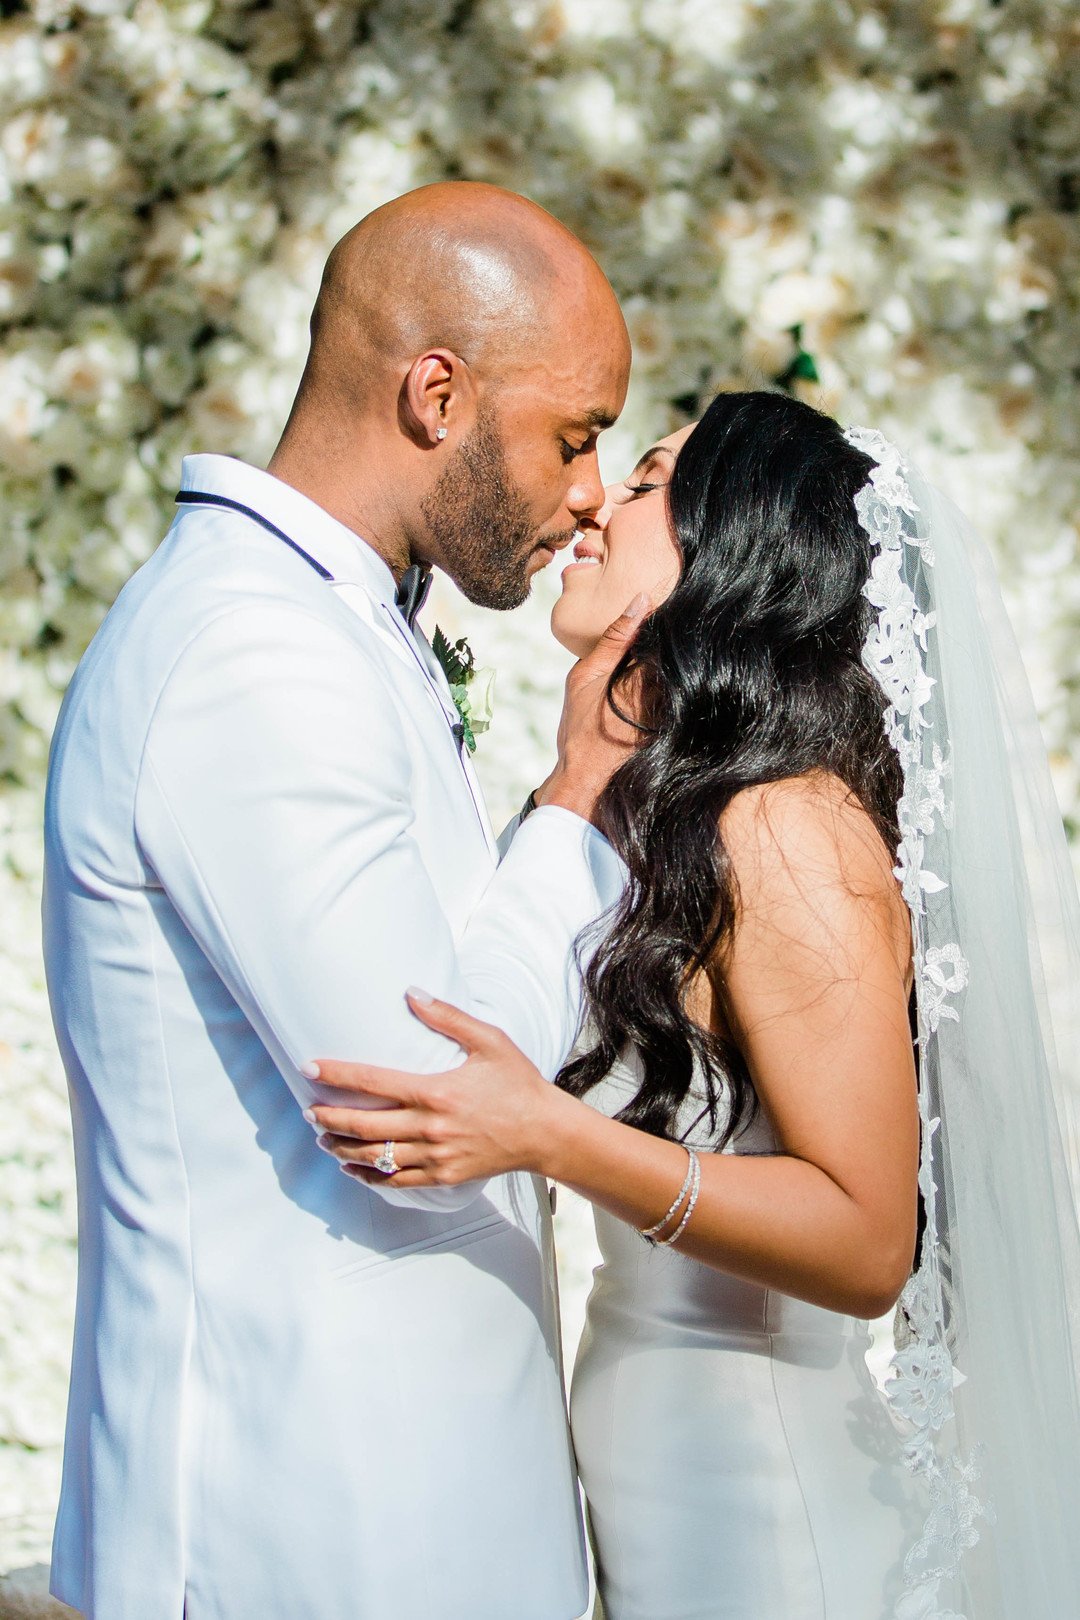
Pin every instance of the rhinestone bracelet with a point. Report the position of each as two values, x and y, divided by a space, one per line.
650 1232
694 1190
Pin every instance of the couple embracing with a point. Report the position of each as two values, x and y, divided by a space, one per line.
772 926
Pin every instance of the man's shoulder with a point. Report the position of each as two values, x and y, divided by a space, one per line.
213 565
221 597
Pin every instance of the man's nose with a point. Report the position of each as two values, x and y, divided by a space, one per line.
587 496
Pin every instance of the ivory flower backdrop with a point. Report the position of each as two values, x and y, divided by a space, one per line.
874 204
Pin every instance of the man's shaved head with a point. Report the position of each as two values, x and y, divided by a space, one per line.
457 265
463 313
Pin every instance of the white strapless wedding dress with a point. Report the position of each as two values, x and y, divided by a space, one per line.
738 1460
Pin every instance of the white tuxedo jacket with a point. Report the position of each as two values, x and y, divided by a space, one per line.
294 1398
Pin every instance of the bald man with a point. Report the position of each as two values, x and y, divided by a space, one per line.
262 827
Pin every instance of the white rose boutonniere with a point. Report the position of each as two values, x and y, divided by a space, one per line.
472 689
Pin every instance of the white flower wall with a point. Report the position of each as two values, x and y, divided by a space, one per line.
874 204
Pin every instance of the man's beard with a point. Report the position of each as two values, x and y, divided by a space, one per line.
486 536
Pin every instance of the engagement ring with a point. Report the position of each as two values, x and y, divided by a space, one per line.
386 1161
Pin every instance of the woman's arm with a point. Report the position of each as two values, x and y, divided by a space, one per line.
815 989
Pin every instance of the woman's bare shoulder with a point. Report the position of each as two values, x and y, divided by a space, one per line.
806 845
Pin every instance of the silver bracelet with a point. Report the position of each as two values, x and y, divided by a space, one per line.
694 1190
650 1232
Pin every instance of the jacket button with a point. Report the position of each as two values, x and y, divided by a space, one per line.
553 1195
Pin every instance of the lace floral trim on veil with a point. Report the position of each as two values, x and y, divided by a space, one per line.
922 1377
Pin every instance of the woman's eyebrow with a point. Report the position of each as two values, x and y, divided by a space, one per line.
651 455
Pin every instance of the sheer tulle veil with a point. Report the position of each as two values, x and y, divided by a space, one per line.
983 1386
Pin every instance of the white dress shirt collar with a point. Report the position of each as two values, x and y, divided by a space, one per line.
343 553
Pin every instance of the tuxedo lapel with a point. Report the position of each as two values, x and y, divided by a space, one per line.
437 678
413 650
438 675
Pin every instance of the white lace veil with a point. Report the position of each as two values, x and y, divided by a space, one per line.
984 1380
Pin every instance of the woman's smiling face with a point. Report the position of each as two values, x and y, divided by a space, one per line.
627 550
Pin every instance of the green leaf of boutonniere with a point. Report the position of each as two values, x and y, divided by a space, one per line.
472 689
457 660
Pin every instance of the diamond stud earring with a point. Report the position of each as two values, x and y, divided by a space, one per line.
440 433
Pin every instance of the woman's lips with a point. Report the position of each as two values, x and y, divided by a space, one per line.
585 565
587 551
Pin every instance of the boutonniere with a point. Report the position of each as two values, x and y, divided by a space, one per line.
472 689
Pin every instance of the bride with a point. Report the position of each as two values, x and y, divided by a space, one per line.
818 1074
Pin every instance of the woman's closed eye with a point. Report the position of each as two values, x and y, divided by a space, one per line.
651 462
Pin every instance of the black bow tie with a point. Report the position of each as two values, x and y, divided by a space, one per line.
412 593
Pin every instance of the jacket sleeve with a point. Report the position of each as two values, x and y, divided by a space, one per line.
274 806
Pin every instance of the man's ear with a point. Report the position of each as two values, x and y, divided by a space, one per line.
437 400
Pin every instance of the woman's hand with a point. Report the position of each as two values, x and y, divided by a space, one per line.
592 740
481 1119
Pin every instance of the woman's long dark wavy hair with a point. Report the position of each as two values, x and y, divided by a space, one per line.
750 672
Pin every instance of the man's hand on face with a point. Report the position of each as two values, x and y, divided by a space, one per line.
593 742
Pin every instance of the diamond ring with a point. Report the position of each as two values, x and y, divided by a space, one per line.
386 1161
